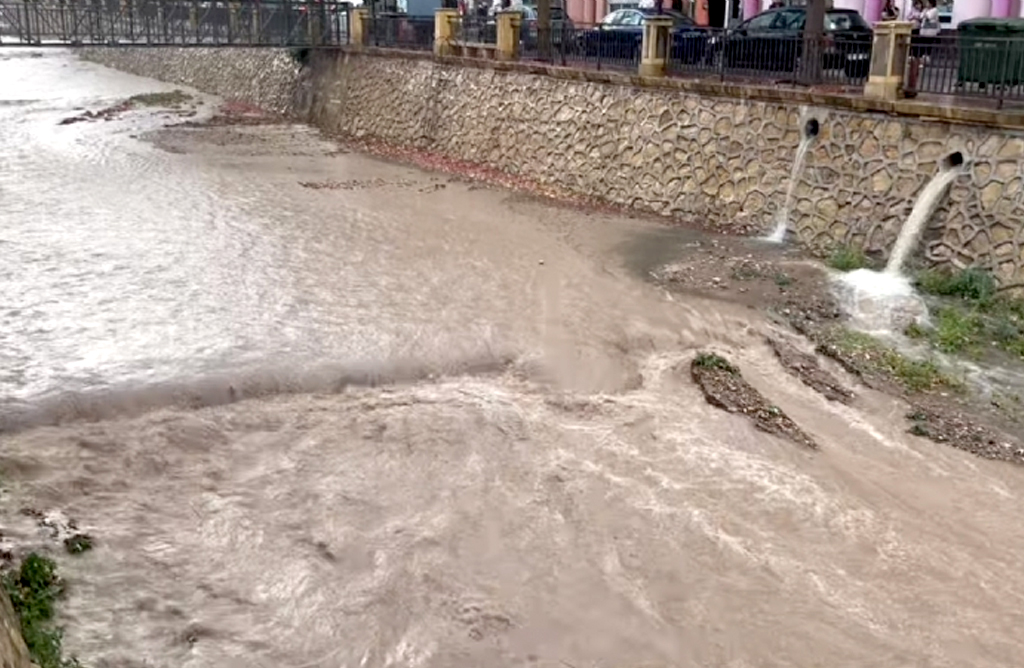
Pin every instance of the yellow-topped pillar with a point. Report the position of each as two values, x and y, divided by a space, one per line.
444 30
889 53
509 22
654 50
360 28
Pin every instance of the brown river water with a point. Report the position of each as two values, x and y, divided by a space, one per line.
407 421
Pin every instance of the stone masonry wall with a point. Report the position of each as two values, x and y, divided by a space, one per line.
663 150
265 78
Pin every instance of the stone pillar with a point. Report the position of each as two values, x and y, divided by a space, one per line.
654 50
888 60
359 30
444 33
508 35
964 10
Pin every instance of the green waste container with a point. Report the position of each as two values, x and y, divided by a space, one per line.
991 51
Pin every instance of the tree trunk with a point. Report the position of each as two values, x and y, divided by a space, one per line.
544 29
813 41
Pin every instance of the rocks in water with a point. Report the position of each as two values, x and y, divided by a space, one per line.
725 388
805 367
962 432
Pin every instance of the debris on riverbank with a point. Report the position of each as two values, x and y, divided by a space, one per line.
796 293
725 388
173 101
805 367
943 425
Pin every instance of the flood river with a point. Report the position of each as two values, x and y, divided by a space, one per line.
401 420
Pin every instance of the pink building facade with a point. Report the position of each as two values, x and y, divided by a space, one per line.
592 11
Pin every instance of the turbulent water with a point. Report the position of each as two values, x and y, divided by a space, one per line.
403 421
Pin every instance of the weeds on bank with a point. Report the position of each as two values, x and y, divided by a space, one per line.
712 361
34 589
974 317
869 354
847 258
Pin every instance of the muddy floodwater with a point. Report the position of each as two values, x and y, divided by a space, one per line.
401 420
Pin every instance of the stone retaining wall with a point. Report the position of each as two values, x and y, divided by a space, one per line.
262 77
662 149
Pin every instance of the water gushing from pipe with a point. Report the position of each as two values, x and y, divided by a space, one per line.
925 205
810 131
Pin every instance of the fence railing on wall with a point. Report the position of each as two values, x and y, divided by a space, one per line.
966 65
305 23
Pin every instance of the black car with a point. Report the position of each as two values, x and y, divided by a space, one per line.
620 36
773 40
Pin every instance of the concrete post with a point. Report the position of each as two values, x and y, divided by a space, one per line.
888 60
654 50
508 35
359 30
444 32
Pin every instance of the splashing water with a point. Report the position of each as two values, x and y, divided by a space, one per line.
778 235
923 209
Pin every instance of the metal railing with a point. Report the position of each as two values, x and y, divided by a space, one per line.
474 29
586 46
399 31
967 65
843 61
174 22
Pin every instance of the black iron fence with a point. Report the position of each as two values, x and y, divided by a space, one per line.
587 46
838 60
399 31
174 22
967 65
475 29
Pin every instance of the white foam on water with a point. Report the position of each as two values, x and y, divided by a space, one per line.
879 302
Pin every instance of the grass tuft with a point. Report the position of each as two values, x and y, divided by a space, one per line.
713 361
34 589
847 258
970 284
874 355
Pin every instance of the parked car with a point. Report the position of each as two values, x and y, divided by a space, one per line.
773 40
561 25
620 35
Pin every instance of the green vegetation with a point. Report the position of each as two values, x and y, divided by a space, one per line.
869 354
783 280
974 317
34 589
174 98
713 361
970 284
847 258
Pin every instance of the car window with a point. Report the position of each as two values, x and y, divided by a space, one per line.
611 19
760 22
845 21
788 20
632 19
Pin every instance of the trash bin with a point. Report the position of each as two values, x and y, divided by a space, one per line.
991 51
